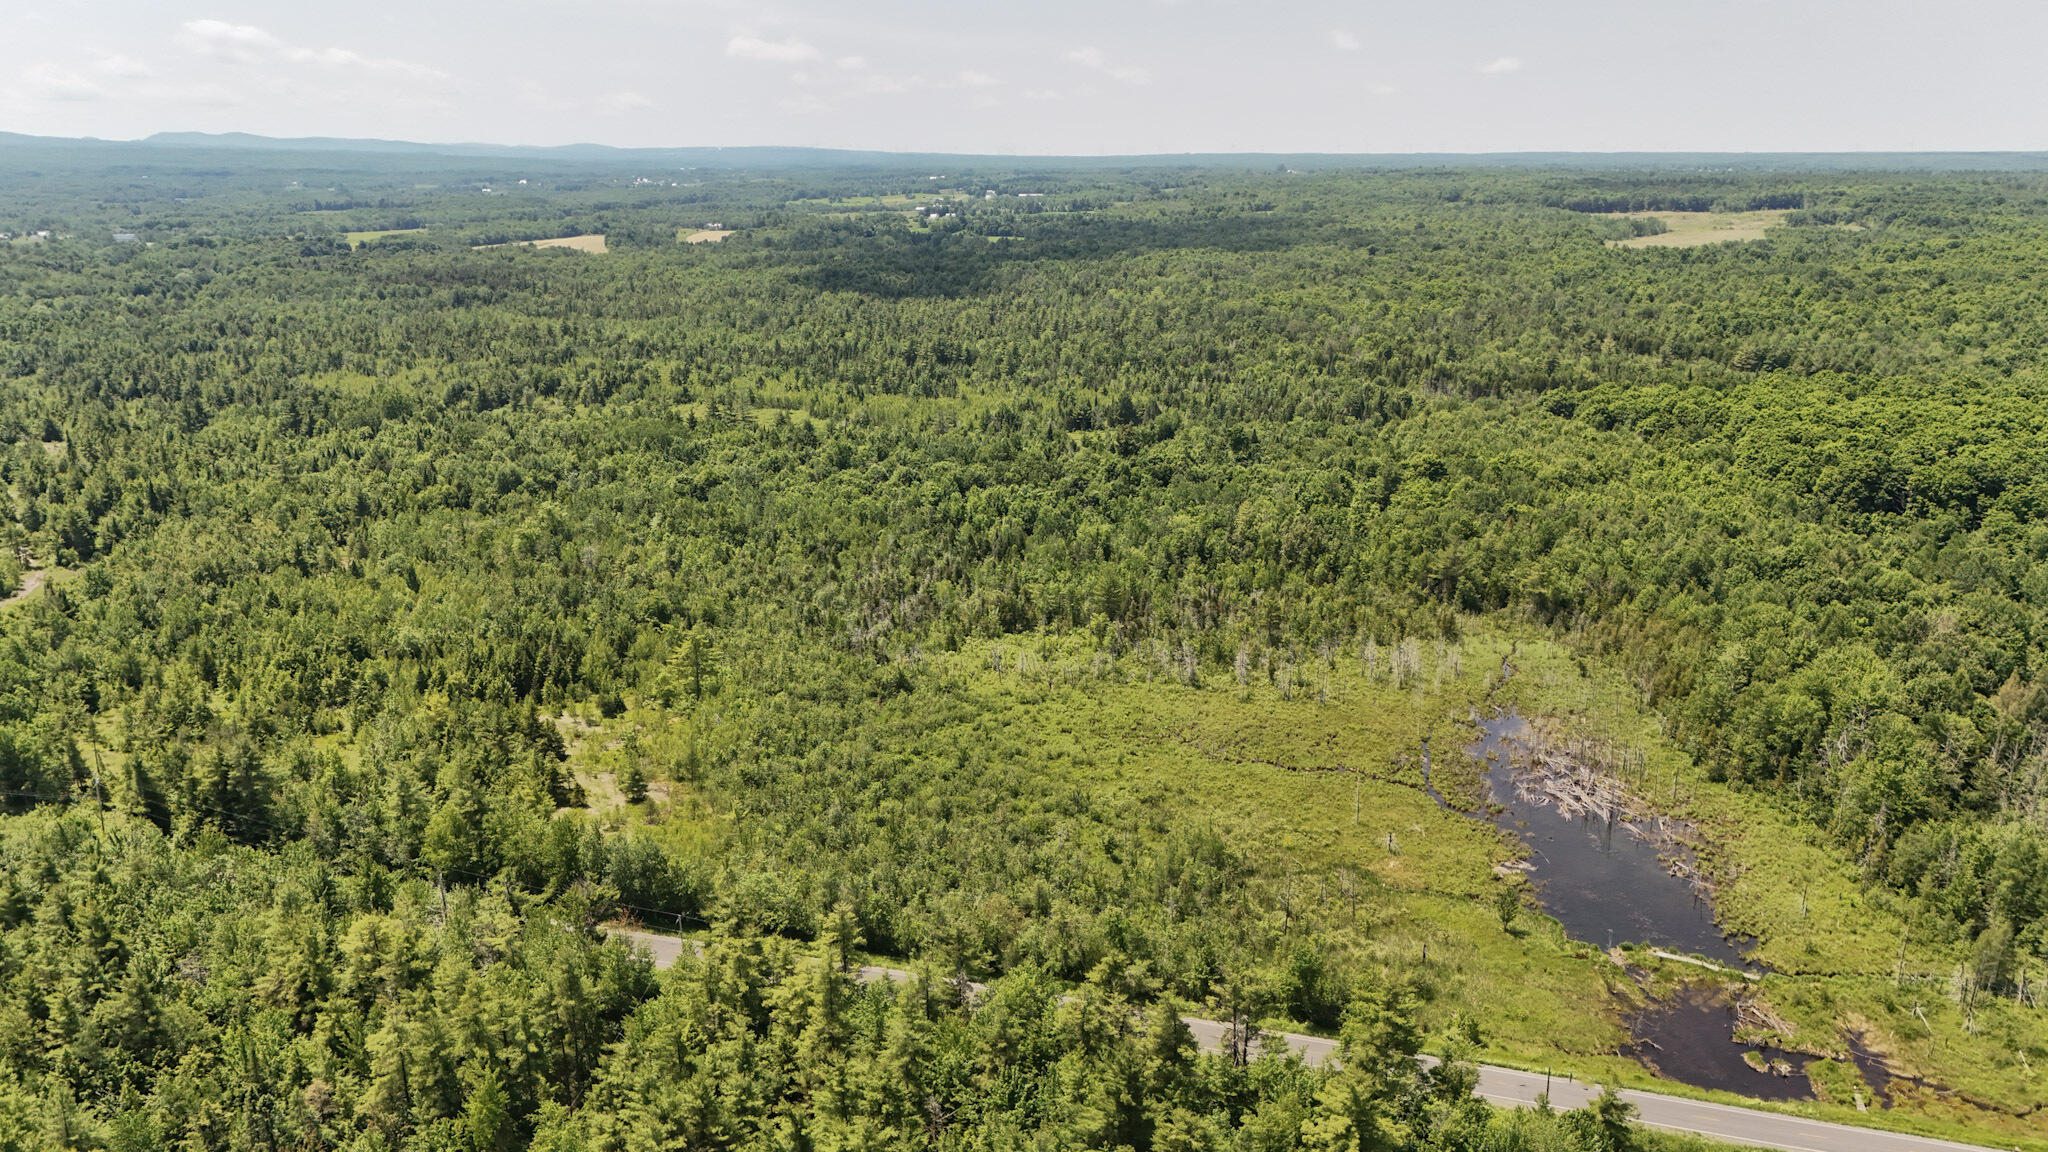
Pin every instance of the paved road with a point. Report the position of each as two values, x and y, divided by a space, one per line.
1516 1089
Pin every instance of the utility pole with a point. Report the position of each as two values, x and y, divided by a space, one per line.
1899 970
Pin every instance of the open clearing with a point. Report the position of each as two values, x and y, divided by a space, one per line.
1689 229
31 580
892 200
358 239
707 235
593 243
1314 773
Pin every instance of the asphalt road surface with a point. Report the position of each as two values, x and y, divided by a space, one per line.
1517 1089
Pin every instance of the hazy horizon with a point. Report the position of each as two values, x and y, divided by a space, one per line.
230 137
1138 77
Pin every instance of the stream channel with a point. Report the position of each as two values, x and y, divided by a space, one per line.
1606 883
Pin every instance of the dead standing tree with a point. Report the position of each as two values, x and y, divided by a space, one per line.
1588 779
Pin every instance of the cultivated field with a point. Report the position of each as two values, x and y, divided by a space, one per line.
1689 229
358 239
706 235
594 243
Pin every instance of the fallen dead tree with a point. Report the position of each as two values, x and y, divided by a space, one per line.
1587 780
1754 1018
1552 778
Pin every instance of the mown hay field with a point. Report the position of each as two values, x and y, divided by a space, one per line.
594 243
1691 229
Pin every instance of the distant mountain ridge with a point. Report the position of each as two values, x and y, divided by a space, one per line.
774 156
247 140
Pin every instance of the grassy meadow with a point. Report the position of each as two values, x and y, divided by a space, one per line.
1314 773
1692 229
358 239
592 243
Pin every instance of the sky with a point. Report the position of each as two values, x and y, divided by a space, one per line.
1063 77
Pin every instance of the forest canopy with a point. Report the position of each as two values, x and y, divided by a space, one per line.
330 534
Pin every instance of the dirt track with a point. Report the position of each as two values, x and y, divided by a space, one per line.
30 581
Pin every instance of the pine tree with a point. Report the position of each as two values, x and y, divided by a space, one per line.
486 1118
841 937
1506 903
633 781
388 1103
1603 1124
145 798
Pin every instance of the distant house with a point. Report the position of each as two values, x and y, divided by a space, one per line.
125 237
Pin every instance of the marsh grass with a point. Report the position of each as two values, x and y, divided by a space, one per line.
1312 769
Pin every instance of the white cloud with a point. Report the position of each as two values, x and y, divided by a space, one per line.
205 94
343 58
47 81
621 102
242 43
115 81
125 67
1343 41
1501 65
1096 60
248 44
879 84
848 77
1383 89
747 46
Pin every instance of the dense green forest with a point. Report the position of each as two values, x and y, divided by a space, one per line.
393 614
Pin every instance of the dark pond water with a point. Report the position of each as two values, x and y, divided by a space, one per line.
1690 1037
1605 884
1876 1073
